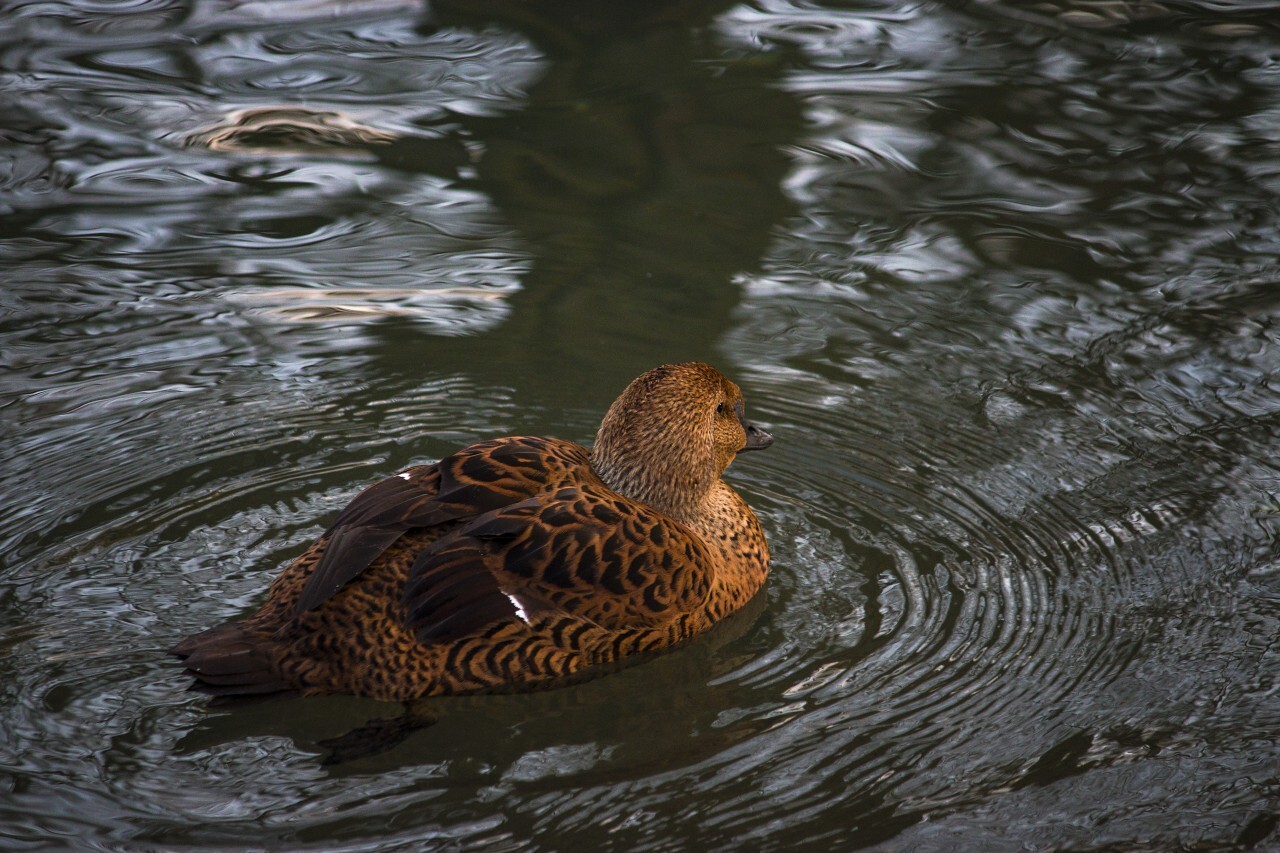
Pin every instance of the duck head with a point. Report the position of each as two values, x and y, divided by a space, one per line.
669 436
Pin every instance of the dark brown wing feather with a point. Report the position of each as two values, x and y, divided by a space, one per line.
583 551
476 479
369 525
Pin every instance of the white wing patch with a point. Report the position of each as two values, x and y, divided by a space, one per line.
515 602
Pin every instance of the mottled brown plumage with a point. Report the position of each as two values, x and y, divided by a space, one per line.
515 563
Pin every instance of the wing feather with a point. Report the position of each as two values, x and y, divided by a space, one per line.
573 552
477 479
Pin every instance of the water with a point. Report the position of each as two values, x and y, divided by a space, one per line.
1001 277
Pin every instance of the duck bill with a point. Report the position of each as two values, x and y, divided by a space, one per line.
757 439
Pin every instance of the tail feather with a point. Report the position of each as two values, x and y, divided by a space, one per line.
231 660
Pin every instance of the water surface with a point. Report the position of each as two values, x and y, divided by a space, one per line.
1001 278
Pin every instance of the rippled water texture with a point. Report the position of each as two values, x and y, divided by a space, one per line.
1001 276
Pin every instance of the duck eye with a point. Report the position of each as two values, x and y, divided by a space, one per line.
720 409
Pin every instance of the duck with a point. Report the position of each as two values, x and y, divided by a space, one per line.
515 563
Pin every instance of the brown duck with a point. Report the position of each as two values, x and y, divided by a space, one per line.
515 563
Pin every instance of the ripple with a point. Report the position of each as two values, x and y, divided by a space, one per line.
987 613
924 608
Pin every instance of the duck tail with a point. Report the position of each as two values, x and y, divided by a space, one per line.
232 661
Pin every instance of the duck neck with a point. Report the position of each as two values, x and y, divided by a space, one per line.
668 484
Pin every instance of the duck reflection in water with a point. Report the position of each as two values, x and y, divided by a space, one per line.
516 563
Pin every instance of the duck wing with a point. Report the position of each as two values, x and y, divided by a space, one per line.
583 550
479 478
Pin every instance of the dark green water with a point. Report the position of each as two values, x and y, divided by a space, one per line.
1002 277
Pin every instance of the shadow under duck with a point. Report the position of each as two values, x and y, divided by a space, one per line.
515 563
